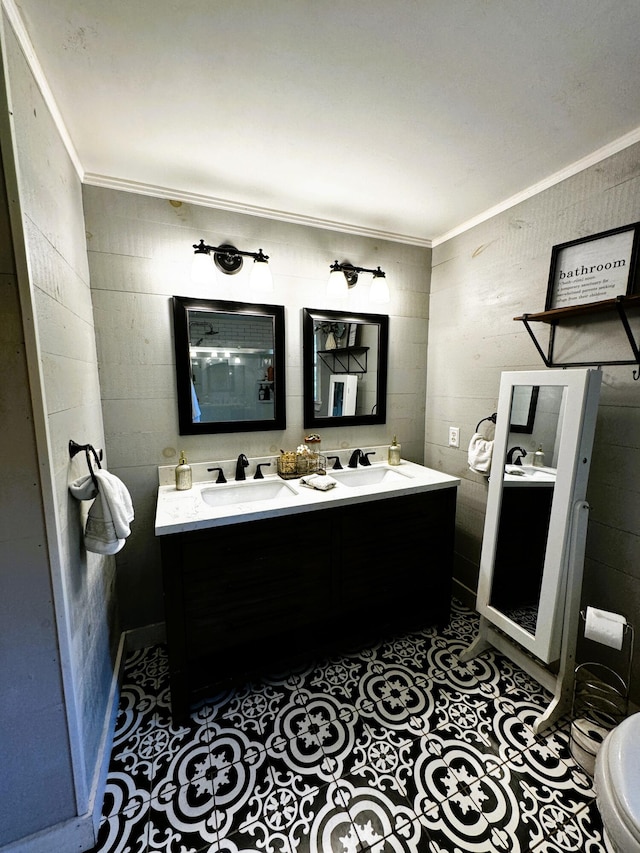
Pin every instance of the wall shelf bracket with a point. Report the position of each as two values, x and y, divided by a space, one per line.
345 359
553 318
547 359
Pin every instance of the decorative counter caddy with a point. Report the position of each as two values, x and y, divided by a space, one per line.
306 459
287 468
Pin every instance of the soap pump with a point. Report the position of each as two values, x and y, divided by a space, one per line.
183 473
394 452
538 457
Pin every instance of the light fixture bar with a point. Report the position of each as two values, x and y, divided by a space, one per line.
228 251
351 272
225 249
337 288
229 261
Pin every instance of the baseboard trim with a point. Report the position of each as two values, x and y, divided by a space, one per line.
148 635
77 835
465 596
106 742
81 833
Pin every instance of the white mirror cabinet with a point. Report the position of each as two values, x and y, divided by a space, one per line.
535 527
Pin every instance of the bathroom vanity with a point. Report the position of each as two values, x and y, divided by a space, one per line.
265 584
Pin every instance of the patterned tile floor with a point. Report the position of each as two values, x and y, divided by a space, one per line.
393 747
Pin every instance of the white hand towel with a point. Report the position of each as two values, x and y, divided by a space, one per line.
480 451
110 515
319 481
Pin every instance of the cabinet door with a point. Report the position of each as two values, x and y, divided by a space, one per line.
396 556
247 582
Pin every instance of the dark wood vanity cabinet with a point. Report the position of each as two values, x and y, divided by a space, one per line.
246 595
395 558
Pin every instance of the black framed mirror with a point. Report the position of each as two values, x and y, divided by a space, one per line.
523 408
344 368
230 368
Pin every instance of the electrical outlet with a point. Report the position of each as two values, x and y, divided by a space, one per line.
454 436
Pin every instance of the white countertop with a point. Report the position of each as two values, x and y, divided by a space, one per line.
529 476
182 511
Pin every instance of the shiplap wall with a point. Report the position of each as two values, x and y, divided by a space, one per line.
59 623
481 280
31 698
140 253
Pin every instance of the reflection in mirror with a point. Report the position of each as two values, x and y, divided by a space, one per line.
535 485
523 408
525 509
344 368
229 366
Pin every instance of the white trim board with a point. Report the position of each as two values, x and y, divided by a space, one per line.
81 832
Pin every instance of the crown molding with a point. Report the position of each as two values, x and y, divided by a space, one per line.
598 156
109 182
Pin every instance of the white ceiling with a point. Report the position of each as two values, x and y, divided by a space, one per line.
401 118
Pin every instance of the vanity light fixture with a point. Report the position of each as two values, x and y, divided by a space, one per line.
344 276
229 260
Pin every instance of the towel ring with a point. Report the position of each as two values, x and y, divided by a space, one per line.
75 448
491 418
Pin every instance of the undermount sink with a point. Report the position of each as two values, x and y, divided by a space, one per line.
368 476
245 492
531 472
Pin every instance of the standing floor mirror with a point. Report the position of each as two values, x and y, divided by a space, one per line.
535 525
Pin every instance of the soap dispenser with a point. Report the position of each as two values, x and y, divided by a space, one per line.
183 474
394 452
538 457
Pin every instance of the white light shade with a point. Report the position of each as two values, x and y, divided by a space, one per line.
337 286
379 290
202 269
260 277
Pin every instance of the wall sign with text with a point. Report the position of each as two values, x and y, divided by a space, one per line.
594 268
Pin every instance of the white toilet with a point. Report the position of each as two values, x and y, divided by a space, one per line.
617 781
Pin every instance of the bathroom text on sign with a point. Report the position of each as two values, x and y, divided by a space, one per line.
591 270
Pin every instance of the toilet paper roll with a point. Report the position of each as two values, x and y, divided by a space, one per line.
604 627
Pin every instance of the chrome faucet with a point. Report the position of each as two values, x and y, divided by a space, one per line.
241 464
518 459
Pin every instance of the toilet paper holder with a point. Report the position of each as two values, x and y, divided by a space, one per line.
601 692
600 700
625 653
